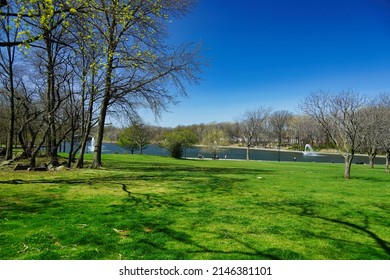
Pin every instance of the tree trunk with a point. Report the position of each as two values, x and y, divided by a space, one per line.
11 128
36 150
348 162
387 161
371 156
97 153
70 157
248 147
86 124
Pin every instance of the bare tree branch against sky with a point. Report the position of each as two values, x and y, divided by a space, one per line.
273 53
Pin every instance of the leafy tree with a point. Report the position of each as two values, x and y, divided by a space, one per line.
135 137
127 140
213 140
140 70
175 141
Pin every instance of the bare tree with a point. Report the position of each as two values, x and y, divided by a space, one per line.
383 126
373 129
279 122
341 117
251 125
306 131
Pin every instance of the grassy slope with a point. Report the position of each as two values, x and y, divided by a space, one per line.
191 209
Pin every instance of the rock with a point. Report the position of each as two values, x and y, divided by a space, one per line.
61 167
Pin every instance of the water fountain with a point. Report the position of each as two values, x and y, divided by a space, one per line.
309 151
92 145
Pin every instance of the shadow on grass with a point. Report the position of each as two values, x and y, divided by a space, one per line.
155 238
307 210
146 172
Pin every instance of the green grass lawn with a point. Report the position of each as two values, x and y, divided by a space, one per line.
146 207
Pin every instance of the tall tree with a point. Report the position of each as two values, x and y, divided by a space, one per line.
88 53
139 69
341 117
8 34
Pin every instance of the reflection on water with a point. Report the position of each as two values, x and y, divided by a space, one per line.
240 153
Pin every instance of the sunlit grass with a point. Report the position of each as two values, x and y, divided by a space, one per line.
145 207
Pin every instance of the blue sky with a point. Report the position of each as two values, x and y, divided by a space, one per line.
273 53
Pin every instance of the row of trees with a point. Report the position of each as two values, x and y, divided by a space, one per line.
347 122
67 65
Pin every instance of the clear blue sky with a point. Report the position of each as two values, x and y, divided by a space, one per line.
273 53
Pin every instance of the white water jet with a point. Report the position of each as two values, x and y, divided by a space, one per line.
92 145
309 151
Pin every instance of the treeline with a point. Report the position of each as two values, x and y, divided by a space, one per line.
66 66
347 122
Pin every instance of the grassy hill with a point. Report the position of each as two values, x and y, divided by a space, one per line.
147 207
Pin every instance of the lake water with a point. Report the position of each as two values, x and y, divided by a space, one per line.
240 153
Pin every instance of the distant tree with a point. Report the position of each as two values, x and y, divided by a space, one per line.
383 107
251 125
135 137
213 140
373 129
177 140
279 122
306 130
127 140
341 117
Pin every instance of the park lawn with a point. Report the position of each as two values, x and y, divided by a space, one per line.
148 207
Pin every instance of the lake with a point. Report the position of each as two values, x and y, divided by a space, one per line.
240 154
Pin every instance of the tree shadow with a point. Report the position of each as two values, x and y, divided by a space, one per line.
160 234
307 210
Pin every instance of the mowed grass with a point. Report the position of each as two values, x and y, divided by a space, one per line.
146 207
